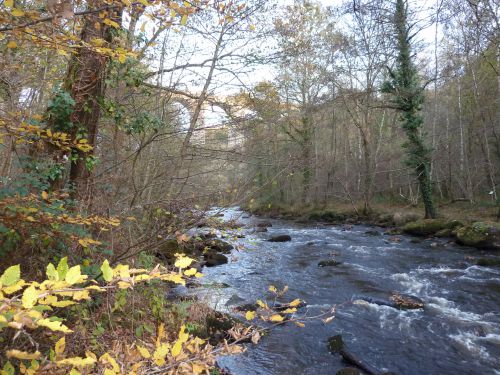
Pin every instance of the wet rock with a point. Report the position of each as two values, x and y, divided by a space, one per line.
488 262
373 232
349 371
214 245
335 344
447 232
213 259
260 230
280 238
393 231
264 224
247 307
416 240
401 218
329 263
283 306
483 235
407 302
425 227
310 243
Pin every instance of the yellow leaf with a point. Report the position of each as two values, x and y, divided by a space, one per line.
122 58
144 2
77 361
30 296
183 262
160 354
183 335
74 275
250 315
273 289
14 288
190 272
294 303
184 19
63 303
112 23
144 352
60 346
44 193
289 311
177 348
276 318
262 304
107 371
22 355
9 3
53 325
299 324
252 27
107 359
17 12
12 44
198 368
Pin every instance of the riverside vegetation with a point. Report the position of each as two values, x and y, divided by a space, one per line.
124 123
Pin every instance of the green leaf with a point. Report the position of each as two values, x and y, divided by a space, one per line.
11 275
62 268
107 271
52 273
9 369
73 275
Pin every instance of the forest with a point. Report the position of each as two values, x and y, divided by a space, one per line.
249 187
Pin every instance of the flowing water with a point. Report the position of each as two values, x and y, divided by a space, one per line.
458 331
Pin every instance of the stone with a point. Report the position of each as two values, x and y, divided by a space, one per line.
488 262
335 344
447 232
260 230
425 227
329 263
280 238
482 235
213 259
349 371
401 218
264 224
373 232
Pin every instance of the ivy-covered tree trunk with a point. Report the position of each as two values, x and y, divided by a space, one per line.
408 97
85 81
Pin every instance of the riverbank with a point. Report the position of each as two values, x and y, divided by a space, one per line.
471 225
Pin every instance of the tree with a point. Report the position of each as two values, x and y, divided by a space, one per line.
408 94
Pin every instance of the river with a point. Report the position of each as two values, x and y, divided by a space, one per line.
458 331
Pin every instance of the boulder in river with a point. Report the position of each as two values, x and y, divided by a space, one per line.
401 218
425 227
213 259
483 235
264 224
260 230
488 262
280 238
335 343
329 263
373 232
407 302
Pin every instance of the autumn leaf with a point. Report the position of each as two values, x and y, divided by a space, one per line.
183 262
22 355
53 325
17 12
160 354
190 272
294 303
12 44
11 275
273 289
144 352
107 271
29 298
177 348
250 315
60 346
276 318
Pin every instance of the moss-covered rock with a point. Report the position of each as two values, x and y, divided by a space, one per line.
335 344
426 227
483 235
328 216
488 262
401 218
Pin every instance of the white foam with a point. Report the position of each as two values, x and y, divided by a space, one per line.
468 341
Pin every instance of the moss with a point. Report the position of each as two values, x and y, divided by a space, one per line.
480 234
426 227
327 215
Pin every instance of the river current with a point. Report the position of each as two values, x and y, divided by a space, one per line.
457 332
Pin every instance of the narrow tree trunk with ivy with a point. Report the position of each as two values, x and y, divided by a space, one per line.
405 86
85 82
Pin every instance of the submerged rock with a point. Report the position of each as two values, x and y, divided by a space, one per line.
264 224
280 238
329 263
373 232
335 343
483 235
349 371
488 262
396 301
260 230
